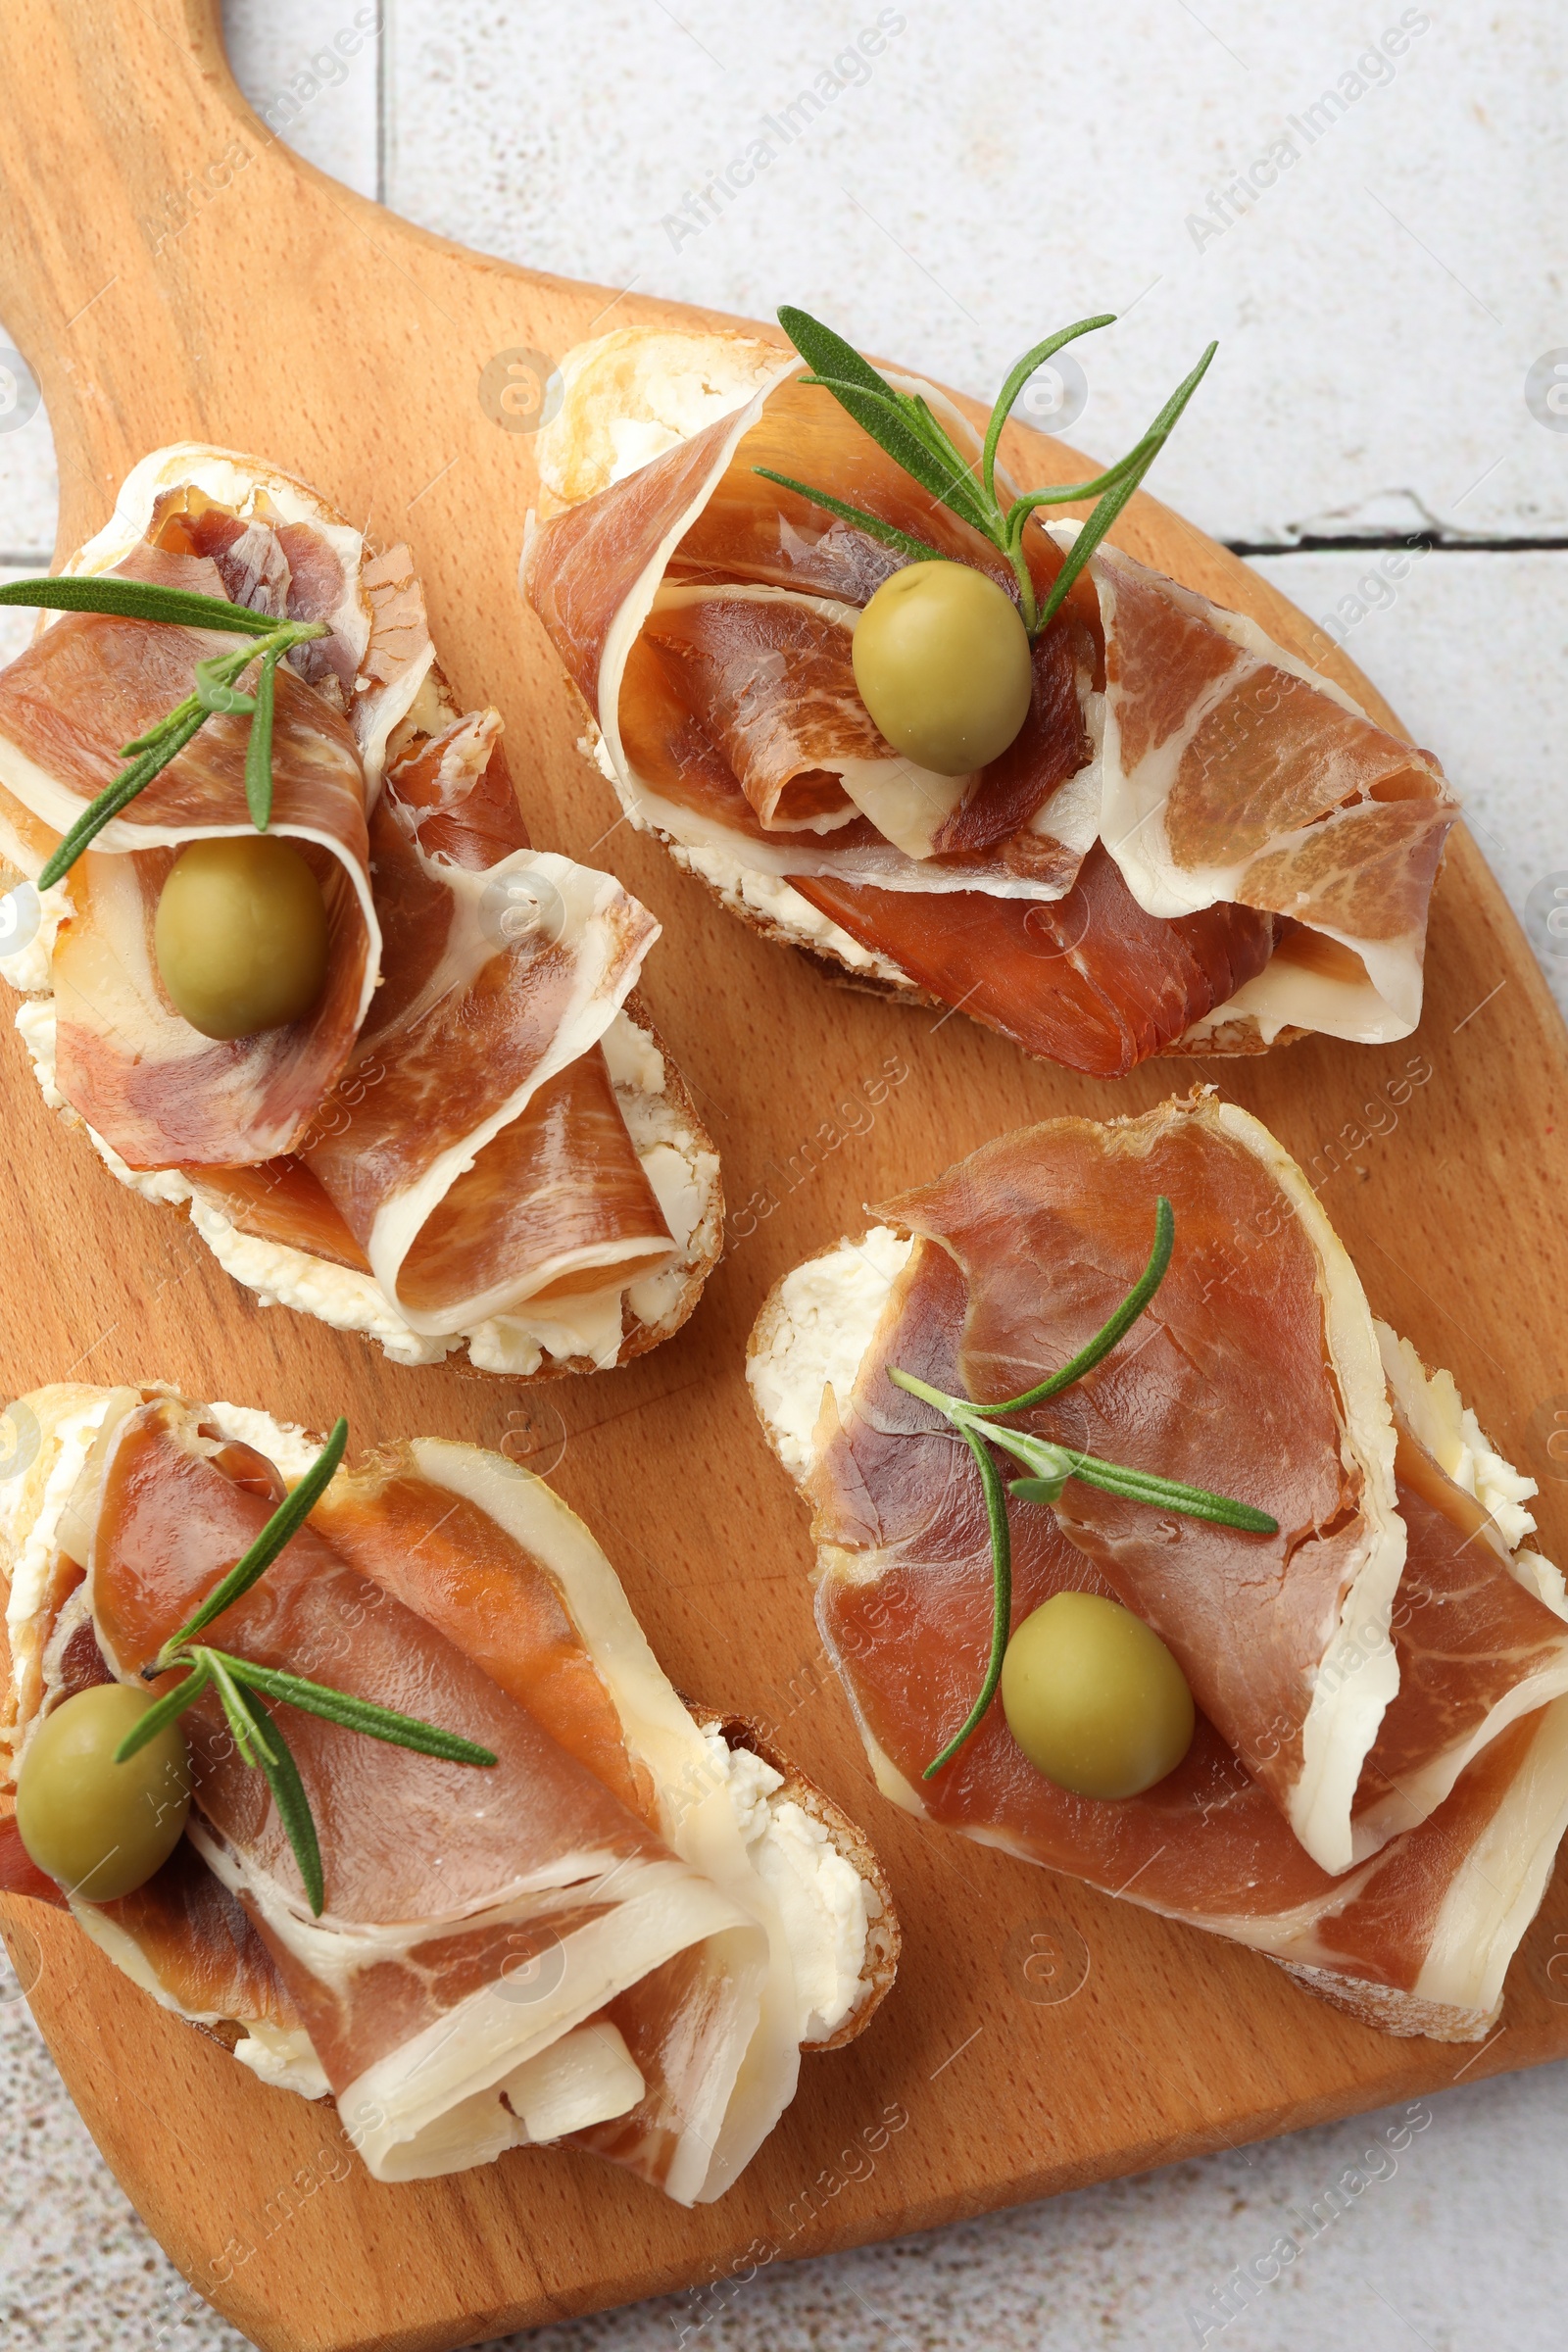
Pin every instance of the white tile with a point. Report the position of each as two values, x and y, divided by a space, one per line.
1000 169
29 486
310 69
1378 308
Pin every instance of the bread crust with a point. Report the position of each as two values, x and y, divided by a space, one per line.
884 1941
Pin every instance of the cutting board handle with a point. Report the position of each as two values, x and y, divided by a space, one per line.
132 176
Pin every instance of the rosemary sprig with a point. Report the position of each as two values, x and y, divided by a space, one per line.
1052 1465
277 1761
905 426
216 690
243 1687
134 600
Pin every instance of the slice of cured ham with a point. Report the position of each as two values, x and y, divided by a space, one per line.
583 1942
473 1138
1090 978
707 616
1234 772
1378 1779
472 1181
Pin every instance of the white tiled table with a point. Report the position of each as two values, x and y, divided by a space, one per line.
1381 287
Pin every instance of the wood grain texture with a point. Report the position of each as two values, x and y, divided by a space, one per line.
171 271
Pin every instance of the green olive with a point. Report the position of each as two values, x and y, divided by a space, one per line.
241 936
1095 1698
98 1827
943 663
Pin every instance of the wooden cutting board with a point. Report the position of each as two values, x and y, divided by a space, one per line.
171 271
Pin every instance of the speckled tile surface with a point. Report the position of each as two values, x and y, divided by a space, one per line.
1380 301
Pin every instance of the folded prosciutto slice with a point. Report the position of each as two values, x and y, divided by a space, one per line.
474 1137
620 1935
1195 844
1378 1779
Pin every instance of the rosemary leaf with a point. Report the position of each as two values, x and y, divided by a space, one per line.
358 1714
285 1522
240 1683
827 353
907 429
1037 1489
136 600
151 753
880 390
1000 1599
1167 1493
889 533
910 413
118 796
1015 383
164 1710
1110 1331
258 746
1069 494
953 479
288 1795
943 475
918 412
903 426
165 726
1111 505
1053 1464
214 693
250 1741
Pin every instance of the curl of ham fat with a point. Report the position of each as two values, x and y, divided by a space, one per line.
451 1134
1458 1770
157 1090
572 1946
707 616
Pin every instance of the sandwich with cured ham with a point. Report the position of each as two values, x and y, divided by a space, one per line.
311 982
1138 825
545 1902
1369 1781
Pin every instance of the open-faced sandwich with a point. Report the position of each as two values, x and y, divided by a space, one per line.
291 962
1259 1641
856 684
372 1775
